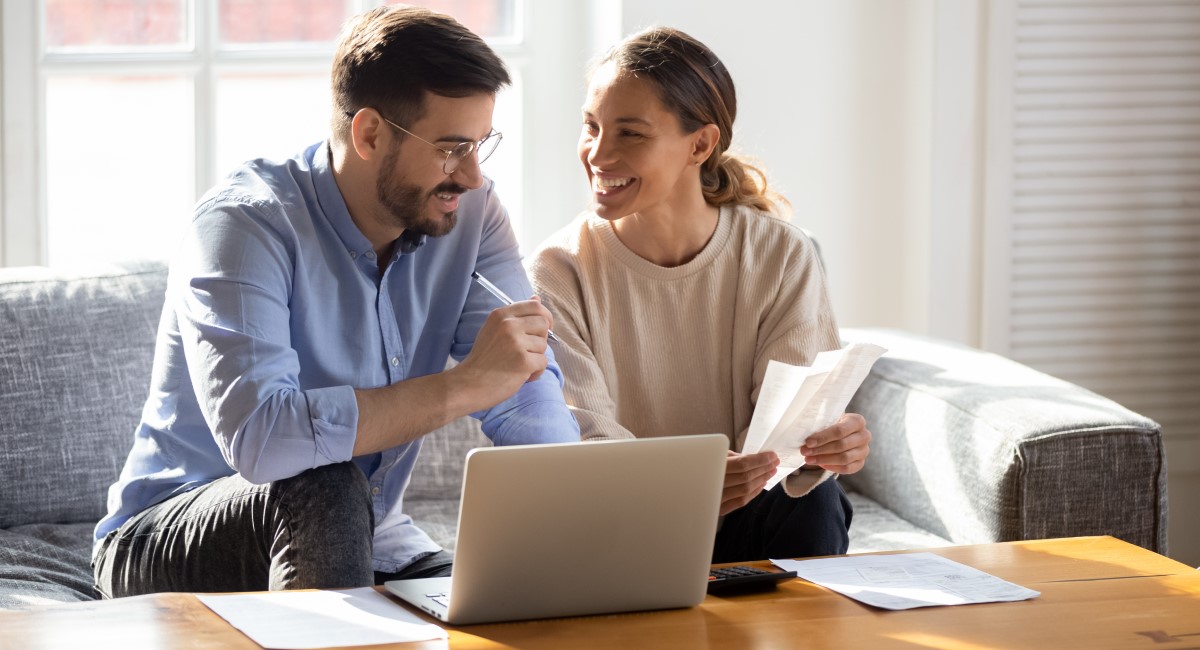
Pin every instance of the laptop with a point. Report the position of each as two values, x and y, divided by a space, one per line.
580 529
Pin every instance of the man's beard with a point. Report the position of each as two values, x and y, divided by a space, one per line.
406 203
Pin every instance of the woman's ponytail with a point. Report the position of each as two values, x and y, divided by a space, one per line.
729 178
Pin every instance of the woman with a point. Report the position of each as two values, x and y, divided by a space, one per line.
675 291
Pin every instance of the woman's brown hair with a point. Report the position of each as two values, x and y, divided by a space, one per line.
694 84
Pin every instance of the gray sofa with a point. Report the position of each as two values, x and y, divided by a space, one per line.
968 448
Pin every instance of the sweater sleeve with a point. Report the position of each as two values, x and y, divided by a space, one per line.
556 282
797 325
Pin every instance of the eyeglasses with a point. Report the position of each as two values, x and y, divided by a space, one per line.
454 157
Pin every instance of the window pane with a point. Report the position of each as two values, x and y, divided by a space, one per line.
112 24
273 115
488 18
282 21
269 115
120 175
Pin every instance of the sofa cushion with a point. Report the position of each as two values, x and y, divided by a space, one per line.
75 358
437 517
43 564
875 528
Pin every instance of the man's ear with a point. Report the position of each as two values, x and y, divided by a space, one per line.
367 133
705 140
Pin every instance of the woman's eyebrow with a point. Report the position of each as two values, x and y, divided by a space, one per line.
587 115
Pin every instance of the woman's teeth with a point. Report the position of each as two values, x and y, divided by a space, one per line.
612 182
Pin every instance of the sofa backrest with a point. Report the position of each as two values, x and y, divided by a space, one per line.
75 358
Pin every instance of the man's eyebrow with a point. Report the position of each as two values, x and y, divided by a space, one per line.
456 138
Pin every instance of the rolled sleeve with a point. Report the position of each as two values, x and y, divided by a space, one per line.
334 416
536 414
291 432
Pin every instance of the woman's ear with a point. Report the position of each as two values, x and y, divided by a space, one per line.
705 140
366 135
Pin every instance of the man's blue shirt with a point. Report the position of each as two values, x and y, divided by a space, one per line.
276 310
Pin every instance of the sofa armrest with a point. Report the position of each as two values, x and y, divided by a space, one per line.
978 448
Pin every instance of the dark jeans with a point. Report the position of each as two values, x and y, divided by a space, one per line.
311 531
775 525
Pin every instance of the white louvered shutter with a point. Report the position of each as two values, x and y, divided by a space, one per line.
1100 184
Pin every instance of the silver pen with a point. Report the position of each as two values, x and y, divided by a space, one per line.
495 291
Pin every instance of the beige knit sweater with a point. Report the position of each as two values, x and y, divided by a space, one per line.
653 351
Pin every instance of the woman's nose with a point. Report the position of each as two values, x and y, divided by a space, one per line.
599 149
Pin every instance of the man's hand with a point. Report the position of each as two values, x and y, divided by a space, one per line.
745 477
842 448
509 350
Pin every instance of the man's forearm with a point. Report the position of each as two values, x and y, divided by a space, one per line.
393 415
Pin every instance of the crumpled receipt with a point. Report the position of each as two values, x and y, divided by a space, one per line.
797 401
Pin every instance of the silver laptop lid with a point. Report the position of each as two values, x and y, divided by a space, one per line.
586 528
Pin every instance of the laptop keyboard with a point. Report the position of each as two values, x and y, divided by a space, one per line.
442 598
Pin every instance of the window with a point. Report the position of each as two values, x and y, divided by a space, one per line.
119 114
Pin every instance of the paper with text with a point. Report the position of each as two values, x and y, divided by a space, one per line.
906 580
321 619
796 401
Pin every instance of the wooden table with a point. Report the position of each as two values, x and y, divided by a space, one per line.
1097 592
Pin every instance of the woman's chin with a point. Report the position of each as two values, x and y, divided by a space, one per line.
608 212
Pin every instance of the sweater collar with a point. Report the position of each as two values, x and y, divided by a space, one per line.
716 245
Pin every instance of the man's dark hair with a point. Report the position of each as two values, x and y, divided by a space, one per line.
387 58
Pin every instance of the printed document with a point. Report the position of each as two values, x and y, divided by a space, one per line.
796 402
906 580
321 619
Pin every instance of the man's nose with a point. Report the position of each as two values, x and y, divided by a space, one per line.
469 174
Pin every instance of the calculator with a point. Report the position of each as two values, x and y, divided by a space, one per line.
744 578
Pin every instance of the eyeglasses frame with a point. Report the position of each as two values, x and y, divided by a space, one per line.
471 147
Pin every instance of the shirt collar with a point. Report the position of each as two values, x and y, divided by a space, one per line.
410 241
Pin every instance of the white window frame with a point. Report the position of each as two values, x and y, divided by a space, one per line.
22 228
554 40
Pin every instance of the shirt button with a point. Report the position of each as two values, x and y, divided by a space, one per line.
375 491
395 361
370 255
353 255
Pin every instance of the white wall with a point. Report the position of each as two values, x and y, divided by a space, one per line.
835 98
563 37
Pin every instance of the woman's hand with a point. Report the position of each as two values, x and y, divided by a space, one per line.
842 448
745 477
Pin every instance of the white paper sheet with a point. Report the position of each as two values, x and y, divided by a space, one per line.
796 402
321 619
906 580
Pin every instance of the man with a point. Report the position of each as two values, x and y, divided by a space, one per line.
308 319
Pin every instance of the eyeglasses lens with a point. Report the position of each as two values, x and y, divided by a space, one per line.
483 150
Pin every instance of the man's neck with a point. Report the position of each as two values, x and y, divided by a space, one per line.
358 192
